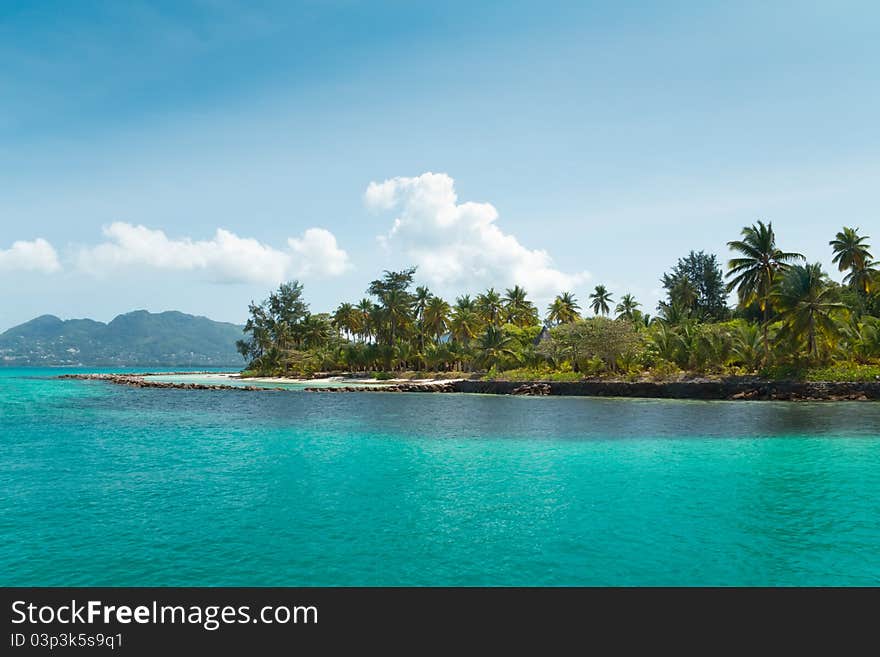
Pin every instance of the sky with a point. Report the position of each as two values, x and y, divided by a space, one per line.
192 155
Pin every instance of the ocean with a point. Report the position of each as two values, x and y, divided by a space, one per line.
105 485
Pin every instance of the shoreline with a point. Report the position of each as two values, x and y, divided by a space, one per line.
739 389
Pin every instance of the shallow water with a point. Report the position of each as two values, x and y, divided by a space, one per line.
234 382
109 485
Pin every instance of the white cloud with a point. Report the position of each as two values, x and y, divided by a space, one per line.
226 258
38 256
460 243
318 253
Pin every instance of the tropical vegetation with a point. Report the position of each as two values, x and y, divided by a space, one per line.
788 318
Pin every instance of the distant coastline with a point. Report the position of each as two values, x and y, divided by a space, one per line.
139 339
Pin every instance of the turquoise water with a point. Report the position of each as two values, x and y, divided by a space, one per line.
107 485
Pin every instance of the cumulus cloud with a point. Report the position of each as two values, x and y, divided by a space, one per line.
38 256
225 258
319 254
460 243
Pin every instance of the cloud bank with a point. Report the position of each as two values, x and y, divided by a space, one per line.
35 256
225 258
456 243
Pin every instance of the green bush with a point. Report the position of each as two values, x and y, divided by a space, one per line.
538 373
844 372
664 370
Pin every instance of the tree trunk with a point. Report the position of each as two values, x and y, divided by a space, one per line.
766 325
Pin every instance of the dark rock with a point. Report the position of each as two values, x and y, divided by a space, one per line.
532 389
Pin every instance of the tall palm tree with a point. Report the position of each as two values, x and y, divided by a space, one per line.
345 319
464 326
601 300
495 346
563 310
518 310
851 251
863 278
464 302
807 305
436 319
465 322
754 273
490 307
627 307
397 309
420 302
365 320
313 331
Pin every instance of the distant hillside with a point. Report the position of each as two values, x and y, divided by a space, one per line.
138 338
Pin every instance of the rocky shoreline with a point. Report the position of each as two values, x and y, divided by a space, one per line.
701 389
139 381
705 389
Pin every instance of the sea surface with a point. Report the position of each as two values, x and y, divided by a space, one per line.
109 485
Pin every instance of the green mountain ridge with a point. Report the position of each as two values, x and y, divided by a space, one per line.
138 338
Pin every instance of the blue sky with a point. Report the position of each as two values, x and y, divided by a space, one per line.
608 138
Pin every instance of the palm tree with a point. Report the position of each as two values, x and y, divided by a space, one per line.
465 322
436 318
313 331
563 310
495 346
489 307
862 278
866 342
397 307
672 313
421 298
365 309
754 274
518 310
748 348
627 307
681 303
684 294
601 298
668 343
396 302
345 319
464 302
807 305
850 249
851 252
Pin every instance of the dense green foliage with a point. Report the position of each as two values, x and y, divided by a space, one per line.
696 288
790 320
135 339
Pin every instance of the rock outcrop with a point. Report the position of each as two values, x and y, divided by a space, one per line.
139 381
532 389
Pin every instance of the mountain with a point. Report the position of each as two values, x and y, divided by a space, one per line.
137 338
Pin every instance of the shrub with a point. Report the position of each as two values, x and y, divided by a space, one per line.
665 370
